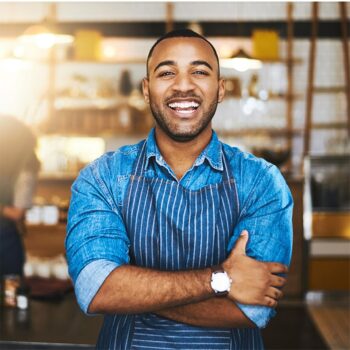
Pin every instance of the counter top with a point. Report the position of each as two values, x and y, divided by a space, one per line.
61 325
57 322
18 345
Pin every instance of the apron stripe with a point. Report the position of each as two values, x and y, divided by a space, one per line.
144 224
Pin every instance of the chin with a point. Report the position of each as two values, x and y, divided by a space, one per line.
184 136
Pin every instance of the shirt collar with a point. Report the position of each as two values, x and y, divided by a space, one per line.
212 153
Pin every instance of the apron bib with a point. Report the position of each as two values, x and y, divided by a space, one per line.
172 228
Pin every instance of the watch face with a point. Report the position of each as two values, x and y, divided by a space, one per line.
220 282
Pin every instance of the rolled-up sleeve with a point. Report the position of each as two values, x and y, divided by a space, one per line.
90 280
95 232
267 215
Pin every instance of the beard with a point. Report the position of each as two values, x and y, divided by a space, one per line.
174 132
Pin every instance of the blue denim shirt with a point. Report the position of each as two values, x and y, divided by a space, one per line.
97 241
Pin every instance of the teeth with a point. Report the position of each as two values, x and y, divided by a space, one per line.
185 111
184 104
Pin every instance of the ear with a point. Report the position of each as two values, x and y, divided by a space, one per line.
221 94
145 89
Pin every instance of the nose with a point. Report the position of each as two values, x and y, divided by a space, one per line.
183 82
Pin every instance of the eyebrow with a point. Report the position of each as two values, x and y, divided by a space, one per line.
165 63
173 63
200 63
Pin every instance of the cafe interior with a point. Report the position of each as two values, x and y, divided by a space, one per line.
72 72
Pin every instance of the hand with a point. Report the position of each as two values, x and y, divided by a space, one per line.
253 282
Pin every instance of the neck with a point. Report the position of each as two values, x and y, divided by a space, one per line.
180 156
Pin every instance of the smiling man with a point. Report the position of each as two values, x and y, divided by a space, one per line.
181 241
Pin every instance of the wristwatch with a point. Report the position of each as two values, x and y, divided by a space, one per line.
220 281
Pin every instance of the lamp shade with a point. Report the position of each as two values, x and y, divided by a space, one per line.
240 61
41 36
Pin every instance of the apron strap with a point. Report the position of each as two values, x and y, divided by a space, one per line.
227 173
139 165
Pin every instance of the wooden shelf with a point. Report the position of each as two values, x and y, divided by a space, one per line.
107 132
280 60
57 176
45 240
281 96
325 126
43 227
74 61
97 122
259 131
107 62
329 89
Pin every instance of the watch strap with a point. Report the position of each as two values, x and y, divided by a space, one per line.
219 269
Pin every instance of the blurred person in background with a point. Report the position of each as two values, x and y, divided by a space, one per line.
19 168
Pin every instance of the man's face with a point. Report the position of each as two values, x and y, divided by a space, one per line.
183 88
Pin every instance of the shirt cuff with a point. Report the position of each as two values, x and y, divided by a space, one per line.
260 315
90 280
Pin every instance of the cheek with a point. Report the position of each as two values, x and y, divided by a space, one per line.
211 90
158 91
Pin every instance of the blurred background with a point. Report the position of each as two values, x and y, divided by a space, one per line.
71 72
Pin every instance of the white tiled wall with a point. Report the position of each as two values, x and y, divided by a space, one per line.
327 108
156 11
22 11
130 11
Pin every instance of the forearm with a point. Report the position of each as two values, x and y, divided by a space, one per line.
132 289
214 312
12 213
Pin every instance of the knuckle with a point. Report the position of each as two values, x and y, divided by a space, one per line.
275 266
270 302
271 280
278 294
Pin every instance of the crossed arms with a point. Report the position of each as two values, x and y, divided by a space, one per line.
187 296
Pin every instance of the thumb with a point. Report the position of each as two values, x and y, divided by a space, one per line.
241 243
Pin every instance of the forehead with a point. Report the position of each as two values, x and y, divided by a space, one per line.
182 50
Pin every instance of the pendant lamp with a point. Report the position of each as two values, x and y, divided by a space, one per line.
41 36
240 61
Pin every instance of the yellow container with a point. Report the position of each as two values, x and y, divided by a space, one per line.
87 45
331 224
265 44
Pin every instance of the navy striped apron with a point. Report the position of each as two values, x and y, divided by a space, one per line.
173 228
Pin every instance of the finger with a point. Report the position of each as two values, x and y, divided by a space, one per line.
276 267
277 281
274 293
270 302
240 246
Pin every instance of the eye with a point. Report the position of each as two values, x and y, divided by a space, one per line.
200 72
165 74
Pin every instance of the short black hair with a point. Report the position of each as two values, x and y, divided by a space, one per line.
182 33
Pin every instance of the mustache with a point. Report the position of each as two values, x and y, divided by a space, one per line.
183 95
